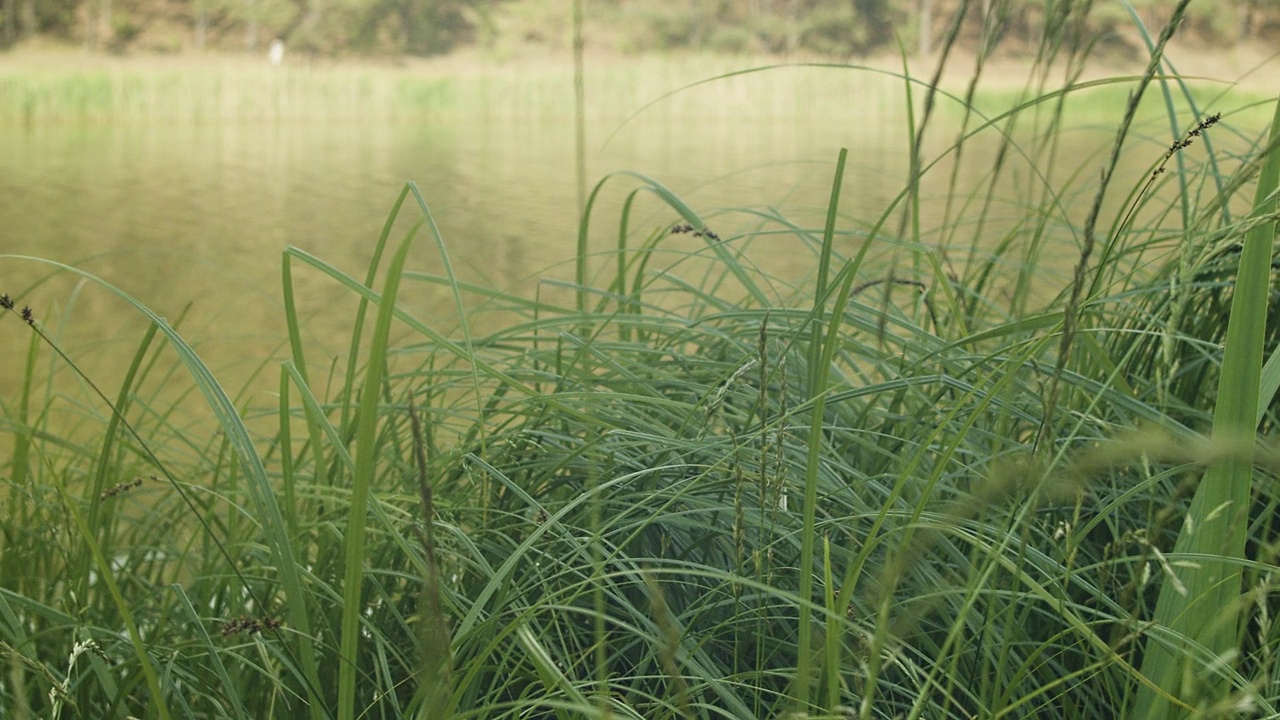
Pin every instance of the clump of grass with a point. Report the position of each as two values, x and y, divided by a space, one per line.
693 488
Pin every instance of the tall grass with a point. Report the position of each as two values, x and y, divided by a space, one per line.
912 484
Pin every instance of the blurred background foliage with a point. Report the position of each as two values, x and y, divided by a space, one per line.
835 28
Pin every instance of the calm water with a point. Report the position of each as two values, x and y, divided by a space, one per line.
193 219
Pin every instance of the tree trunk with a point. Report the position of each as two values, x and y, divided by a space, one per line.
926 27
307 29
10 24
874 15
28 25
793 25
202 27
1245 27
103 30
752 21
408 27
90 26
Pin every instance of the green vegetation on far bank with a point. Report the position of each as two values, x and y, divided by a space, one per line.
68 88
904 486
836 29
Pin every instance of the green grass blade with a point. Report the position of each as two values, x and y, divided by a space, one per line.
552 677
261 491
820 354
357 333
107 573
102 468
366 454
211 650
1270 385
317 422
672 200
1204 618
463 324
20 475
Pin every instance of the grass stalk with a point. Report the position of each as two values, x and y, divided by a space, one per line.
1073 308
436 683
1198 624
820 353
366 454
235 431
159 701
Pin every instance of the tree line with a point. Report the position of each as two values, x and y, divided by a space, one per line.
425 27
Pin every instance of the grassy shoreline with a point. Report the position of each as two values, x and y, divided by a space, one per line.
694 489
41 86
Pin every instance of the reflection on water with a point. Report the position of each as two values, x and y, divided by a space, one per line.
193 218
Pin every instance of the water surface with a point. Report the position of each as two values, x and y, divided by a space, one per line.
192 218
